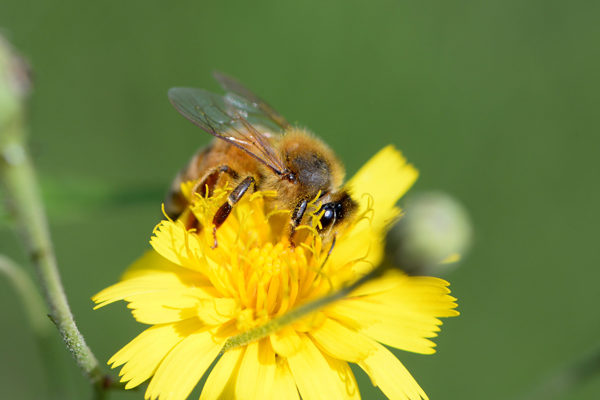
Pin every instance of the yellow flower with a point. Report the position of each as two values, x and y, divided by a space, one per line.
195 298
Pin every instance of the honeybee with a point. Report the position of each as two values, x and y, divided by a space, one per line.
257 149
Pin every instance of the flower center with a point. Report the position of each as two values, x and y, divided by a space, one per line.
254 262
270 278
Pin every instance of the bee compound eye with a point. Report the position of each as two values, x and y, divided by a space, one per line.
328 215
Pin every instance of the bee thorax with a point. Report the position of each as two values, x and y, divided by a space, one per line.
311 171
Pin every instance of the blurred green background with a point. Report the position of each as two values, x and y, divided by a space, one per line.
496 102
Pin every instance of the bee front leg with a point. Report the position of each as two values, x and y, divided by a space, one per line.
224 211
296 218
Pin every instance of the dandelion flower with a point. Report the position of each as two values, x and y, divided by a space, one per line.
195 298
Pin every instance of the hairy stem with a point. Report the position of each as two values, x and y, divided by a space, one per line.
24 202
33 304
35 312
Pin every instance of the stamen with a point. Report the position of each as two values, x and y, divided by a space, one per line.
284 297
272 293
314 201
292 276
164 212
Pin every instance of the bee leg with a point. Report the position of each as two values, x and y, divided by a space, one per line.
206 185
176 203
296 218
205 188
224 211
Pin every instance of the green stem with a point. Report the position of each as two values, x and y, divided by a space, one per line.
35 311
18 178
27 292
99 393
297 313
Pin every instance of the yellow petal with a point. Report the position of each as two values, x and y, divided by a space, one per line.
215 311
286 342
376 186
401 311
341 342
388 373
220 384
389 281
183 367
158 296
346 379
151 274
151 262
317 377
284 386
172 241
131 288
364 243
385 178
257 372
140 363
164 307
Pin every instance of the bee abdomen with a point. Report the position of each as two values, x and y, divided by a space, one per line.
175 201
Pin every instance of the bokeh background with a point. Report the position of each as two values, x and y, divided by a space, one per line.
496 102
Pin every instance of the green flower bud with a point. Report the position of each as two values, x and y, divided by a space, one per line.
434 232
14 82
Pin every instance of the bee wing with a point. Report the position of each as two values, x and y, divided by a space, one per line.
236 91
226 120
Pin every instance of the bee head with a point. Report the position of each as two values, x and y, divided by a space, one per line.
336 211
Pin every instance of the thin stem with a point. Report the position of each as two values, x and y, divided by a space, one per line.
24 202
35 311
27 292
297 313
99 393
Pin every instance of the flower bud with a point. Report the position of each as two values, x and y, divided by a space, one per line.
434 232
15 82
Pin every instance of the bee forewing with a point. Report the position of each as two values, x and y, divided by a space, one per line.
265 111
226 118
